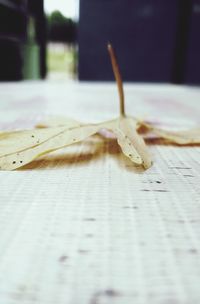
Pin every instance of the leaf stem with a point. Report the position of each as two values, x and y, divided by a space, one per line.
118 78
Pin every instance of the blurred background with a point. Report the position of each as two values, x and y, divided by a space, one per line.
155 40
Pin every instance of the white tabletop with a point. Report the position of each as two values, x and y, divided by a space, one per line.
84 226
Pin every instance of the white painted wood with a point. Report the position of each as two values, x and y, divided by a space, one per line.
84 226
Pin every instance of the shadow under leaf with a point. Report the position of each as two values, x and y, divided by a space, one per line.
166 142
81 154
92 149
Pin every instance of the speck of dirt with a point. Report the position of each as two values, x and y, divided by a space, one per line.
193 251
107 293
63 258
181 168
89 235
83 251
130 207
90 219
111 293
160 190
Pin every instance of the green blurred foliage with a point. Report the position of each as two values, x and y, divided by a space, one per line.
60 61
60 28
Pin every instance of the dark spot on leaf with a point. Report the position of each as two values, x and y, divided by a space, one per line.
14 162
32 136
21 161
158 182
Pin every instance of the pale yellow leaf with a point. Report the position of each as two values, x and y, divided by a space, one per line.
185 137
131 143
59 140
11 142
22 147
180 137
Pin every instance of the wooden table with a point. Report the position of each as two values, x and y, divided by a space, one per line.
84 226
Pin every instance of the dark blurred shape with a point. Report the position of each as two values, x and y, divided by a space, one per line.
13 19
181 42
12 32
36 9
152 38
10 69
192 68
141 31
17 52
61 29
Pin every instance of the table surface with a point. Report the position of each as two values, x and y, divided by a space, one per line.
84 226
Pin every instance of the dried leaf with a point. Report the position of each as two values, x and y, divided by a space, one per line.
27 153
132 145
186 137
20 148
11 142
182 137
